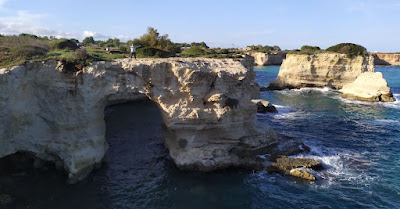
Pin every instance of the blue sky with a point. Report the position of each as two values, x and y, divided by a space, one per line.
290 24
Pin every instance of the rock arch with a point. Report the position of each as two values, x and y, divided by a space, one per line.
206 107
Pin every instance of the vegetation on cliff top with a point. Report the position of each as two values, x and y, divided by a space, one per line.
349 49
344 48
265 49
16 50
306 49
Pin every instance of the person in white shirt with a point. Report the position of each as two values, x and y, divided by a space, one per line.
133 51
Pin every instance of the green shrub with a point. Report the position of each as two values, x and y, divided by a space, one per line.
194 51
349 49
80 54
153 52
123 48
27 51
62 44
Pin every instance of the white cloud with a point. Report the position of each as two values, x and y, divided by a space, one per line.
2 2
27 22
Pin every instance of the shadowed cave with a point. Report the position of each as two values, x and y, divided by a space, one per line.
133 169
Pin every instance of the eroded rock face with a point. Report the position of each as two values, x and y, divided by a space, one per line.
58 114
386 59
263 59
368 86
320 70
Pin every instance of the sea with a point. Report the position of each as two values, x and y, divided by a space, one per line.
358 144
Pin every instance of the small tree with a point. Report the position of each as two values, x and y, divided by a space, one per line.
88 40
74 40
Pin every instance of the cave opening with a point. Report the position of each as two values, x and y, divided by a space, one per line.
135 168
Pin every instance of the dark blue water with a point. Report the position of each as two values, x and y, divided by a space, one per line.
358 143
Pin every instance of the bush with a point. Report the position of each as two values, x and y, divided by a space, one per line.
63 43
80 54
309 49
27 51
153 52
88 41
123 48
349 49
194 51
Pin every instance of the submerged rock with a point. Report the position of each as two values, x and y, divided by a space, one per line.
291 166
301 173
264 106
206 108
320 70
5 199
368 86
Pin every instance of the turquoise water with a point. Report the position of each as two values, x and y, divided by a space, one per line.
357 142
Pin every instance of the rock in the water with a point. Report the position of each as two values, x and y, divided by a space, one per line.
289 166
320 70
368 86
301 173
264 106
56 111
5 199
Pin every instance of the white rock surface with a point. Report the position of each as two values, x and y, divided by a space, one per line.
57 112
263 59
368 86
321 70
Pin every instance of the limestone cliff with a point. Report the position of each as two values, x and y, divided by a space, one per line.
368 86
320 70
56 111
386 59
263 59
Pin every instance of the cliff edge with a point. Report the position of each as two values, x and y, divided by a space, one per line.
56 111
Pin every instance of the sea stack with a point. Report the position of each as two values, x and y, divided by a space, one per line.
325 69
368 86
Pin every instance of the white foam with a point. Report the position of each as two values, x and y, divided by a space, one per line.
395 104
387 121
340 165
281 106
291 115
309 89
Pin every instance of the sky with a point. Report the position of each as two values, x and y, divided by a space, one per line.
289 24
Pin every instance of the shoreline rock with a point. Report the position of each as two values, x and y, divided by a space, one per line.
295 167
264 106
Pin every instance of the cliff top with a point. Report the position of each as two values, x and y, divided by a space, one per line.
233 66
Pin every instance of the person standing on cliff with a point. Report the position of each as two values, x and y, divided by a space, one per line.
133 51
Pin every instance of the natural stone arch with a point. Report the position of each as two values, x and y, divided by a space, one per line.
205 104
